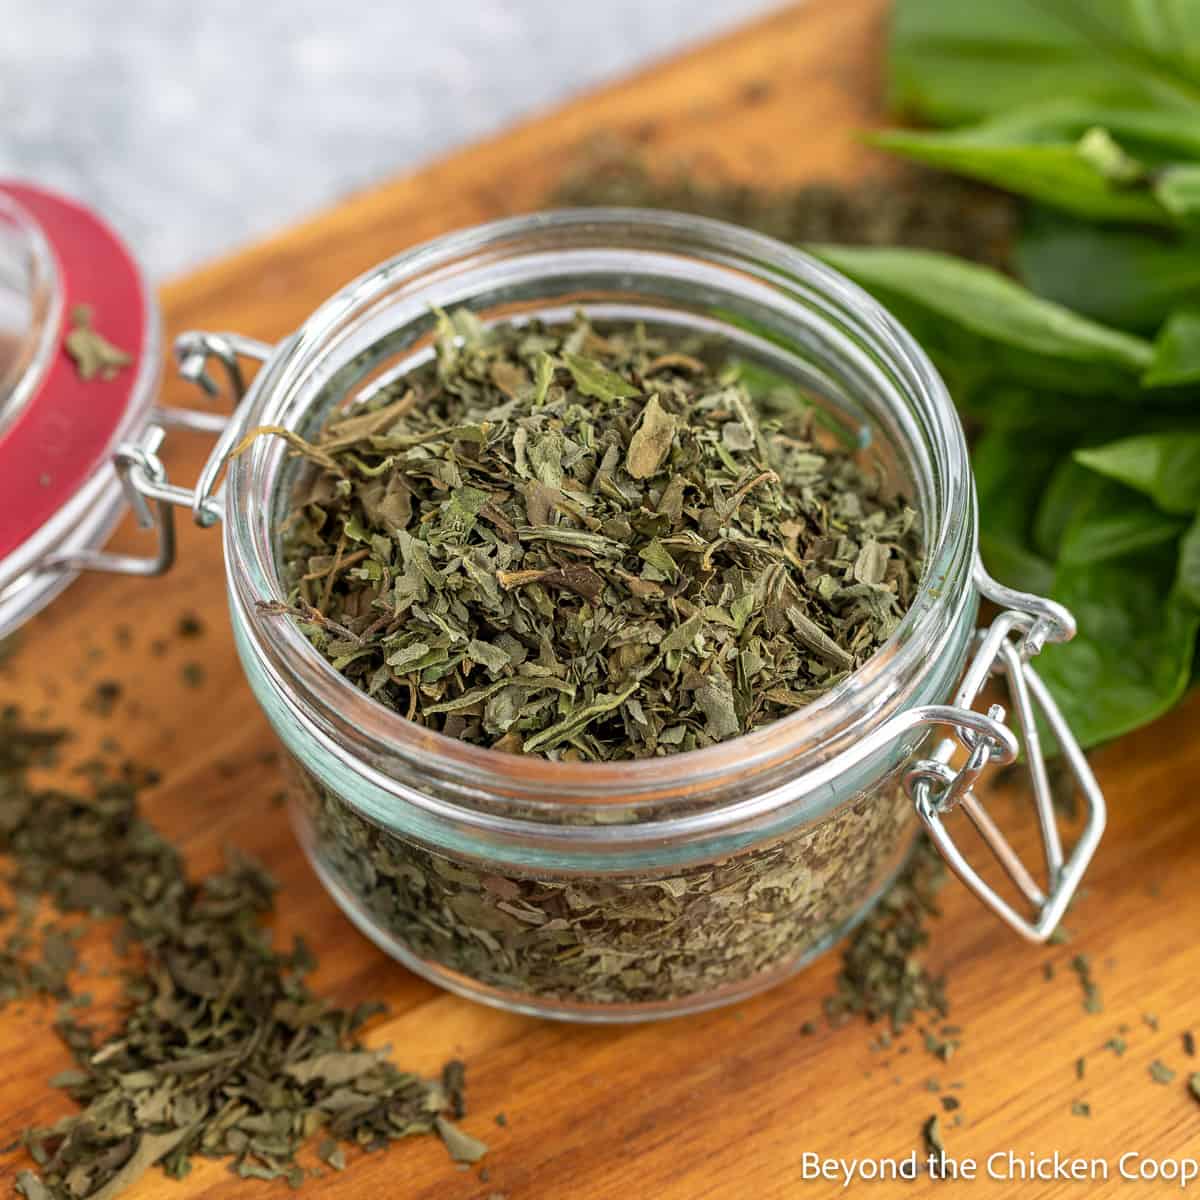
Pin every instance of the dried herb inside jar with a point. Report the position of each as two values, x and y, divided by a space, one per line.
707 930
592 545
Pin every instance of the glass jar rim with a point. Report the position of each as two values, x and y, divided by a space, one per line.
810 737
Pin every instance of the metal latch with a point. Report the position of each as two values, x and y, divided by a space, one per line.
151 495
1004 649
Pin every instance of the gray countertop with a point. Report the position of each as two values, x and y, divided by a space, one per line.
196 127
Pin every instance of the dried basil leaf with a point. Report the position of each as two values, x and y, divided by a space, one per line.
610 545
220 1049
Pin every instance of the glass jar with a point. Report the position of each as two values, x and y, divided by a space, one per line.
627 890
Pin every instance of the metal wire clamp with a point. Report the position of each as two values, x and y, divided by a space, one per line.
151 495
1004 649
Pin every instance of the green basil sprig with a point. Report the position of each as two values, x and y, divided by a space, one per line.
1131 279
953 61
987 326
1103 163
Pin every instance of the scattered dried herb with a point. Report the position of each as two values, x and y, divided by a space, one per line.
104 698
221 1050
1189 1044
907 207
883 972
1080 1108
193 674
1160 1072
94 355
190 626
942 1048
591 545
1118 1045
462 1146
931 1131
1194 1086
1082 967
332 1155
1080 1067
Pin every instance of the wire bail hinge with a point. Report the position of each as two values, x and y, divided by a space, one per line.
1004 649
143 476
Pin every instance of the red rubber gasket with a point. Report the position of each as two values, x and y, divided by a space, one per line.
69 426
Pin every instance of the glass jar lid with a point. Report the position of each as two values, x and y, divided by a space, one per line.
63 269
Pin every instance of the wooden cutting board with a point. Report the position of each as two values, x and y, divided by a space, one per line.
720 1105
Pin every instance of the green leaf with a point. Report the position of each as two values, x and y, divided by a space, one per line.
1189 563
1084 517
651 441
951 62
1178 191
1165 466
1130 279
1087 518
1011 471
1113 530
987 326
1102 163
1059 504
462 1146
1132 657
543 377
1041 413
596 380
151 1148
1177 351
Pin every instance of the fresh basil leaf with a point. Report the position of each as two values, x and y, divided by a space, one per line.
1114 533
1189 563
951 62
1011 470
1043 413
1178 190
1177 351
1129 279
1110 520
1084 518
1165 466
1053 174
983 322
1132 656
1101 163
1060 502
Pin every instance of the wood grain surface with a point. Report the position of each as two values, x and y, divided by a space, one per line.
719 1105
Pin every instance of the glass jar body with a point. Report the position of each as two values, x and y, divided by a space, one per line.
635 944
623 890
686 926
